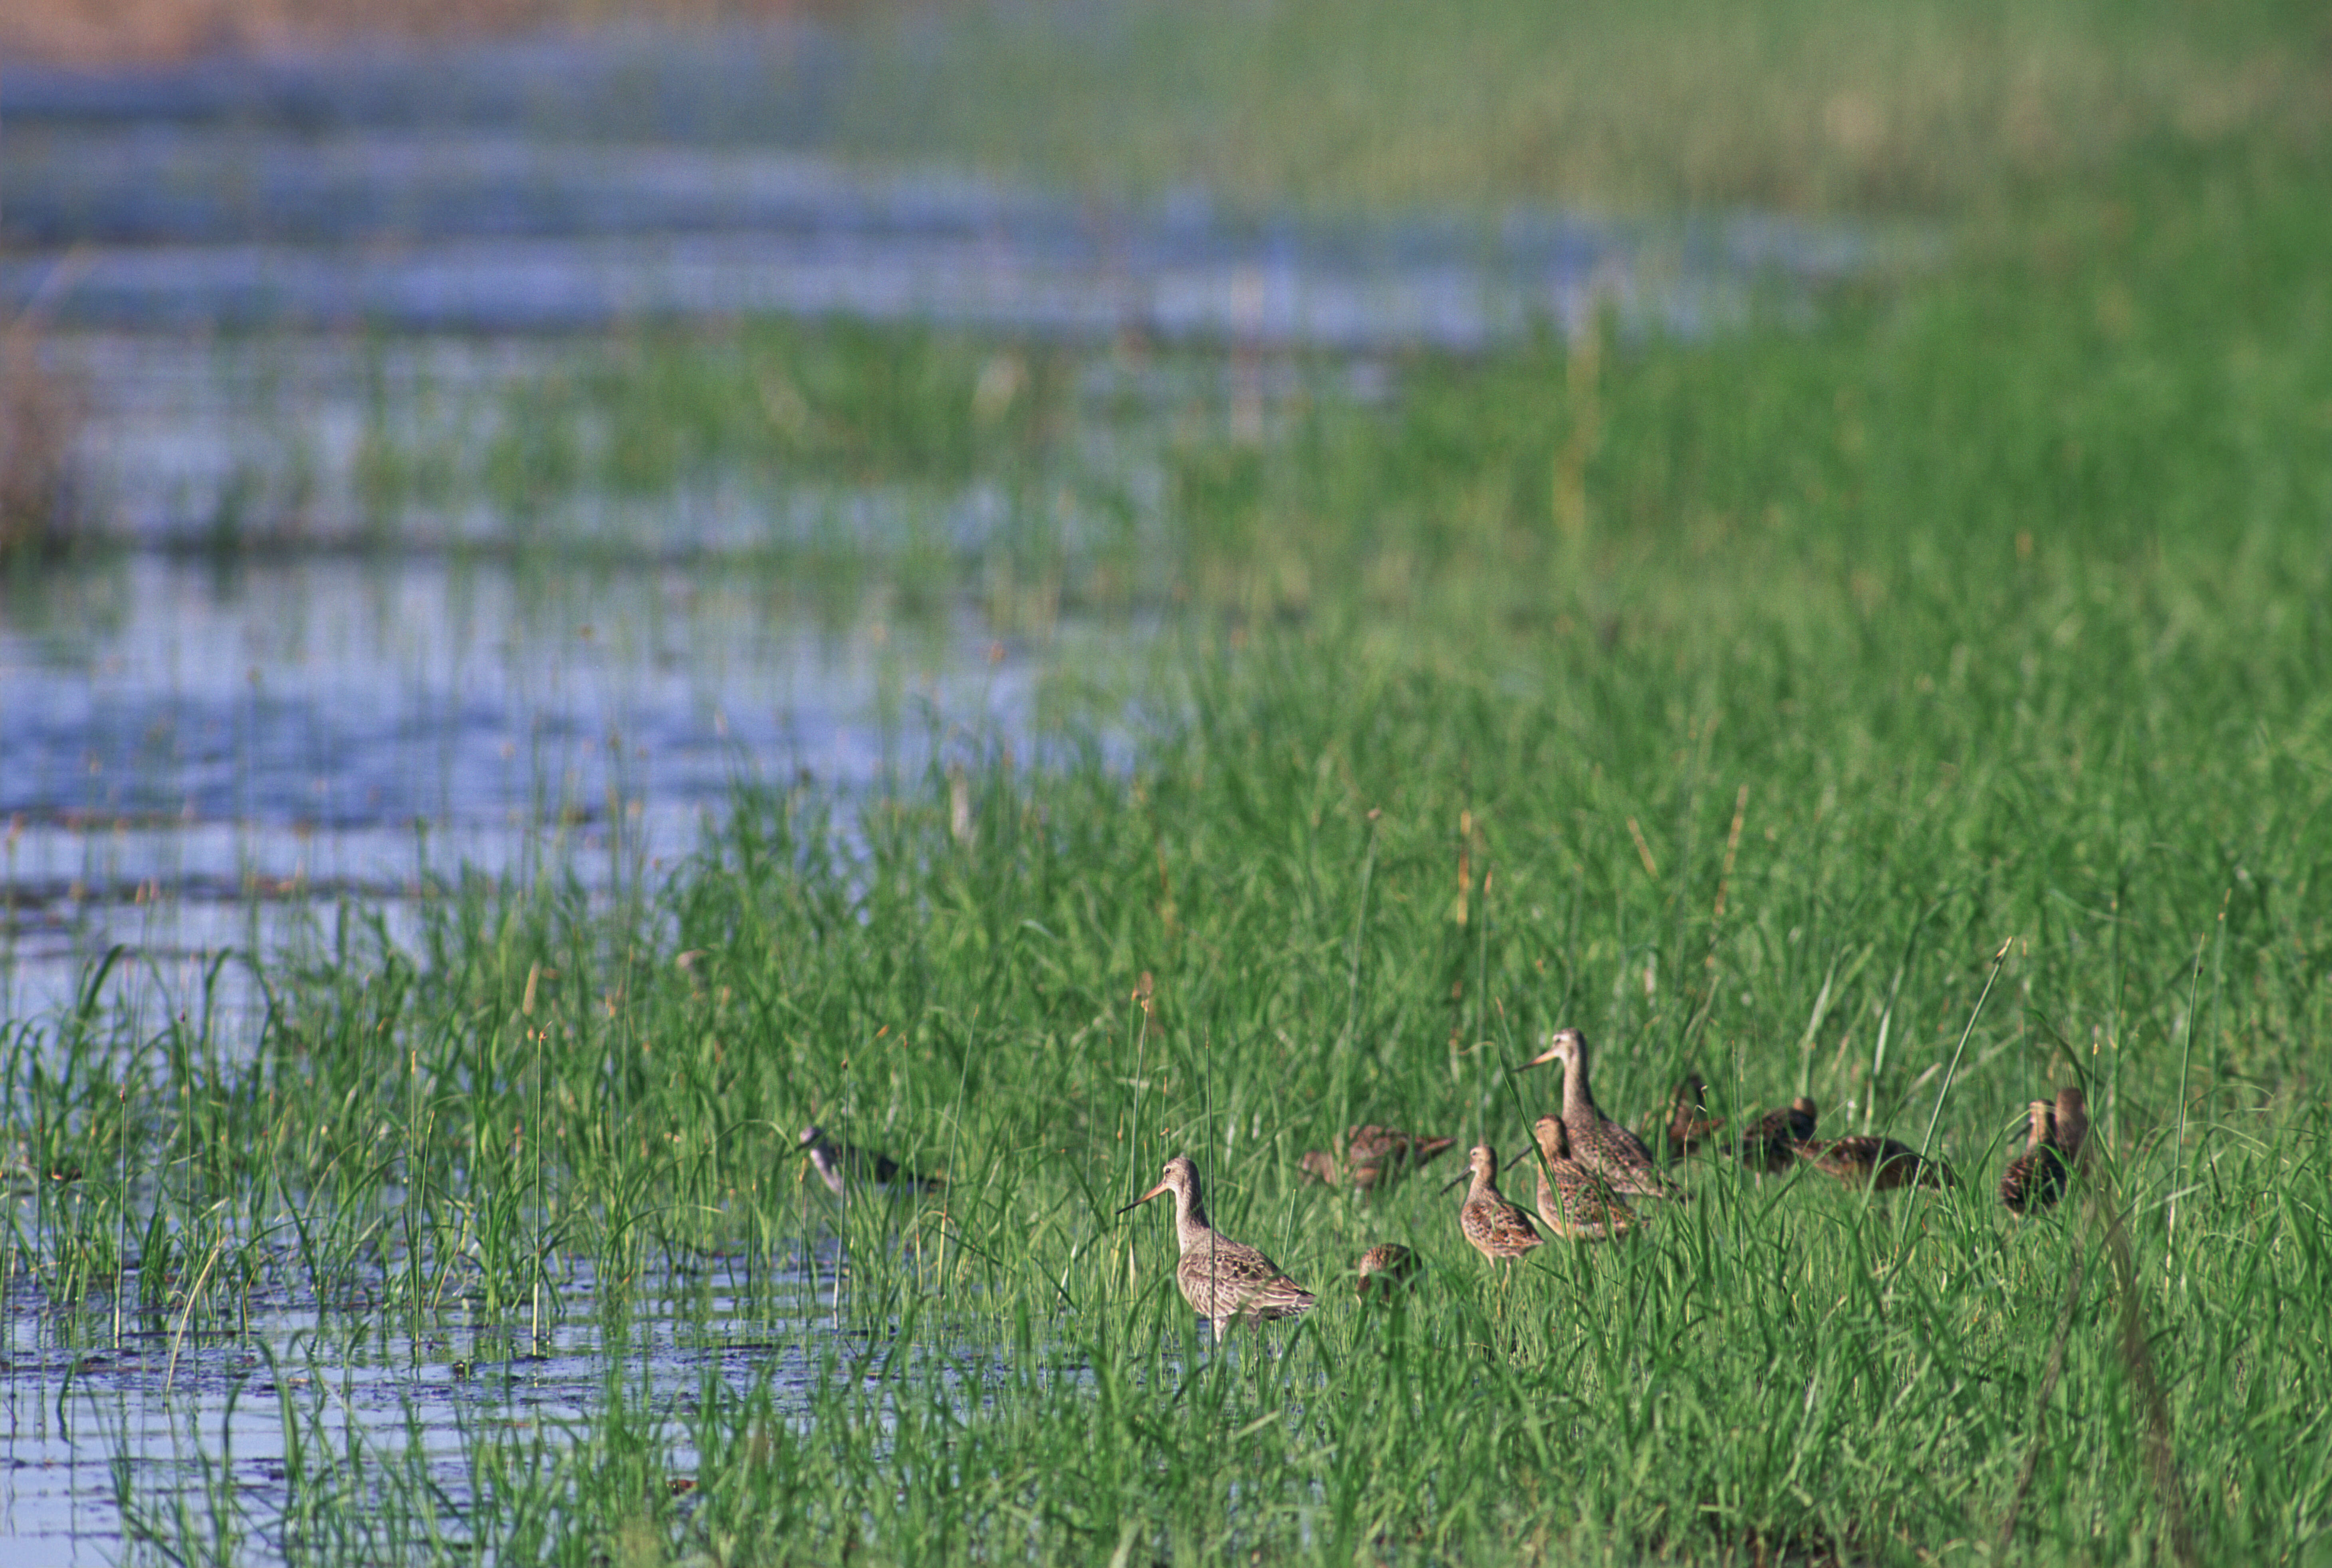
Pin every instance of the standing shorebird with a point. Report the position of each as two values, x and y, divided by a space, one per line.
2036 1178
1223 1280
1604 1146
1373 1155
1770 1140
1387 1266
839 1163
1498 1229
1879 1163
1573 1200
1690 1126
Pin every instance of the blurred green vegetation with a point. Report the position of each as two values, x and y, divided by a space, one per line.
1935 107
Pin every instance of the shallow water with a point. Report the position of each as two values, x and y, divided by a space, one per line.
110 1419
579 183
204 758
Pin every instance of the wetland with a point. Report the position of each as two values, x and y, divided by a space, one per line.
1112 615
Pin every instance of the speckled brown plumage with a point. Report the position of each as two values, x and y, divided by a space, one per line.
1372 1156
2036 1178
1603 1145
1386 1266
1770 1142
839 1165
1497 1229
1223 1280
1879 1163
1572 1200
1690 1126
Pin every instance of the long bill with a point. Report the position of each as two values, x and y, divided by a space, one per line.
1146 1197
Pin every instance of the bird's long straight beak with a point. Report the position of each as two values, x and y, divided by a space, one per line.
1452 1185
1543 1057
1146 1197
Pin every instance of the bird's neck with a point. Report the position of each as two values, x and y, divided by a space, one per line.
1577 1099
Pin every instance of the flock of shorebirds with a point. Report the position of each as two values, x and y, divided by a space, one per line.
1589 1168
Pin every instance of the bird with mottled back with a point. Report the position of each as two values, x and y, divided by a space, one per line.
1770 1142
1223 1280
1387 1266
1497 1229
1572 1200
1881 1163
1600 1144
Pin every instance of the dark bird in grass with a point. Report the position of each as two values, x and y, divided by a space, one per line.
1223 1280
2036 1178
1604 1146
1690 1126
1387 1266
1770 1141
1497 1229
1373 1155
1573 1200
2071 1137
839 1165
1879 1163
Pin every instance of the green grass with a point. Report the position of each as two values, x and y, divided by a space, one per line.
1937 107
1992 606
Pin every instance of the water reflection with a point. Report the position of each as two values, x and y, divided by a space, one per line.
197 758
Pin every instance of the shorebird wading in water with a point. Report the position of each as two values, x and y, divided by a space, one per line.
839 1165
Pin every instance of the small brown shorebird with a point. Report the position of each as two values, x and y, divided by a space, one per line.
1387 1266
1223 1280
839 1163
1374 1156
1879 1163
1770 1140
1604 1146
1498 1230
2072 1135
1690 1126
1572 1200
2036 1178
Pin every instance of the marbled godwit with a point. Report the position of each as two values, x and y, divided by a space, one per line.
2036 1178
837 1163
1690 1126
1373 1155
1223 1280
1879 1163
1387 1266
1498 1230
1572 1200
1768 1144
1604 1146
